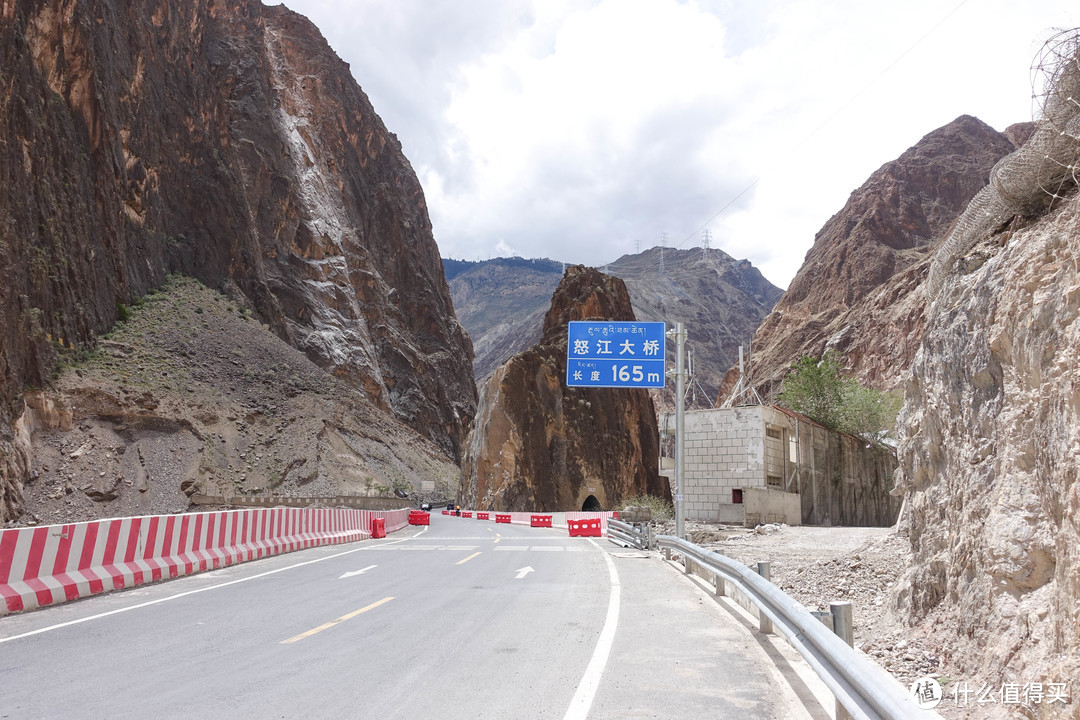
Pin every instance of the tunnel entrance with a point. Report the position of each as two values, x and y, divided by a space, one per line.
591 504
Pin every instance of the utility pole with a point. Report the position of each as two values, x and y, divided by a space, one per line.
680 402
706 237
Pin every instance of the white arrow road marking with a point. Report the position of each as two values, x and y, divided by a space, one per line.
358 572
523 572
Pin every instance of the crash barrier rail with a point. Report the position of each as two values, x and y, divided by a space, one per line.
861 688
419 517
540 521
56 563
584 528
636 536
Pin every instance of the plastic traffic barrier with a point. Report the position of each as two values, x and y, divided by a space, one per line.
583 528
466 513
502 518
419 517
540 521
483 516
445 512
378 528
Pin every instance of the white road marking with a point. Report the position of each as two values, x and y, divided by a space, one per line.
590 681
358 572
524 571
190 592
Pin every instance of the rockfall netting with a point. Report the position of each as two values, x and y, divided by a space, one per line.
1047 164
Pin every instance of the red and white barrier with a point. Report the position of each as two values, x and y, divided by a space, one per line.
584 528
55 563
559 519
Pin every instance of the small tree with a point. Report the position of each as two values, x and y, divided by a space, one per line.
817 389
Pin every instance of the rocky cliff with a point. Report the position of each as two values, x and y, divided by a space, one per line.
722 300
990 431
854 291
225 141
990 437
539 445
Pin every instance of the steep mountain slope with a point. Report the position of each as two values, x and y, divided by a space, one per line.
989 441
502 303
193 395
990 431
228 142
539 445
854 290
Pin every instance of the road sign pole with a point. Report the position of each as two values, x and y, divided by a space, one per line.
680 398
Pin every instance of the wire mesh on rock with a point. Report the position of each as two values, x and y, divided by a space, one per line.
1046 165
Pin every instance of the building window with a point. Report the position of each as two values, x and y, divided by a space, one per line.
773 433
774 480
736 496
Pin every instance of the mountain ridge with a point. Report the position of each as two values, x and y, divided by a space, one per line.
502 303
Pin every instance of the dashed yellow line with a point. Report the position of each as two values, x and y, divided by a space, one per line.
332 623
462 562
498 537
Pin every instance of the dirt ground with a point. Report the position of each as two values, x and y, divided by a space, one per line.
819 565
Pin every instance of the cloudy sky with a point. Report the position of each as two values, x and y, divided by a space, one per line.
581 130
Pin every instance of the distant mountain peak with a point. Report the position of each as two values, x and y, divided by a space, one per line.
502 303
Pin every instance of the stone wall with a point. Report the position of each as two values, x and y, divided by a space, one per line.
767 505
841 479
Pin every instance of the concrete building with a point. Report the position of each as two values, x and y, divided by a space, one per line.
761 463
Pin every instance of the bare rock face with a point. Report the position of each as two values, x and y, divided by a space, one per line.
990 437
854 290
538 445
225 141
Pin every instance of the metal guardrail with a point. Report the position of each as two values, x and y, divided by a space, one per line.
630 534
861 687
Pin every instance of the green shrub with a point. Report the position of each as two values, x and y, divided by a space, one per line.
123 313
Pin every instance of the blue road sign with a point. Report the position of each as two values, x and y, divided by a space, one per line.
615 354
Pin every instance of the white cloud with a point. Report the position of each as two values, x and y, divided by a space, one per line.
574 128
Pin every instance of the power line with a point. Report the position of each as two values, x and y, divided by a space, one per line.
830 118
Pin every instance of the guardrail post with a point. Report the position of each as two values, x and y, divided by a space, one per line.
687 564
667 554
764 623
844 627
718 581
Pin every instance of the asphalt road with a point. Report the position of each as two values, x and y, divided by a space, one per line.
464 619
